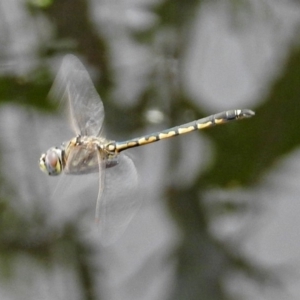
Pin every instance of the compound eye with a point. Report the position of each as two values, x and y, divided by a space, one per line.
52 159
51 162
43 163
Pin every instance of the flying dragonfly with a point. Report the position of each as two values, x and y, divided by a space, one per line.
89 151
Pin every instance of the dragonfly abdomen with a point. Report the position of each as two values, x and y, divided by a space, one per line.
219 118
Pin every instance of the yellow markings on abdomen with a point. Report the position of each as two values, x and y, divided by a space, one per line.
210 121
166 135
183 130
132 144
147 140
204 125
220 121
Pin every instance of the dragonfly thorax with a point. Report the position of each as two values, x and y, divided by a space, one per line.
87 154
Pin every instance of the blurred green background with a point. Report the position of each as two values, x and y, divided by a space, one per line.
219 208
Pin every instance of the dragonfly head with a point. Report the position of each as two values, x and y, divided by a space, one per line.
51 161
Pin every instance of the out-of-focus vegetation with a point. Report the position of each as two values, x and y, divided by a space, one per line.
243 151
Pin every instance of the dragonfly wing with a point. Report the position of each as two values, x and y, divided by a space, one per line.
101 187
72 199
119 201
85 106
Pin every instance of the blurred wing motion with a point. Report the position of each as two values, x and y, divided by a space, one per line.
74 84
117 206
120 200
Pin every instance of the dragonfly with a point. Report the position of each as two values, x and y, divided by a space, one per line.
90 151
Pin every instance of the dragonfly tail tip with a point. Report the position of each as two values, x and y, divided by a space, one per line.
248 113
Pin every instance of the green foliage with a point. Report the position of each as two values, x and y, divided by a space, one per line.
244 151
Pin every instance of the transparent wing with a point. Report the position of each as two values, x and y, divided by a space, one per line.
77 188
86 160
85 106
119 201
74 200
